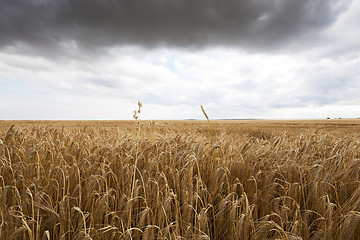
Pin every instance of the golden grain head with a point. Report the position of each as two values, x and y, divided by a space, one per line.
203 110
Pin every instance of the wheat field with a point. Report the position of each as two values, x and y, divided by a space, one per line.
180 179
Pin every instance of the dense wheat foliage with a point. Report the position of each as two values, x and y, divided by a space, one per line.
180 180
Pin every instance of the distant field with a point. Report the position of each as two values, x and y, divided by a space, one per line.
241 179
349 126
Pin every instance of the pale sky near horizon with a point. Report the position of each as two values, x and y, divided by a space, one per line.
94 59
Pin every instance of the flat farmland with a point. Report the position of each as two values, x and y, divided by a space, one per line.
223 179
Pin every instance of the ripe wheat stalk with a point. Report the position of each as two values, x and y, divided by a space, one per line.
97 180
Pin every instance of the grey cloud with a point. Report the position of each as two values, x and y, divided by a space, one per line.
105 82
317 100
94 24
173 96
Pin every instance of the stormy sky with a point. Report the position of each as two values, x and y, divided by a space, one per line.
94 59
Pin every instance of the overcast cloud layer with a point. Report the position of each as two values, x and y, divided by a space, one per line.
93 59
262 24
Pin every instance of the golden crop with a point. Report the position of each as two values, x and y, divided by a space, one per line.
180 180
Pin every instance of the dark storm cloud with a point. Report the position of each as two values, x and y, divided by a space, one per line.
94 24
